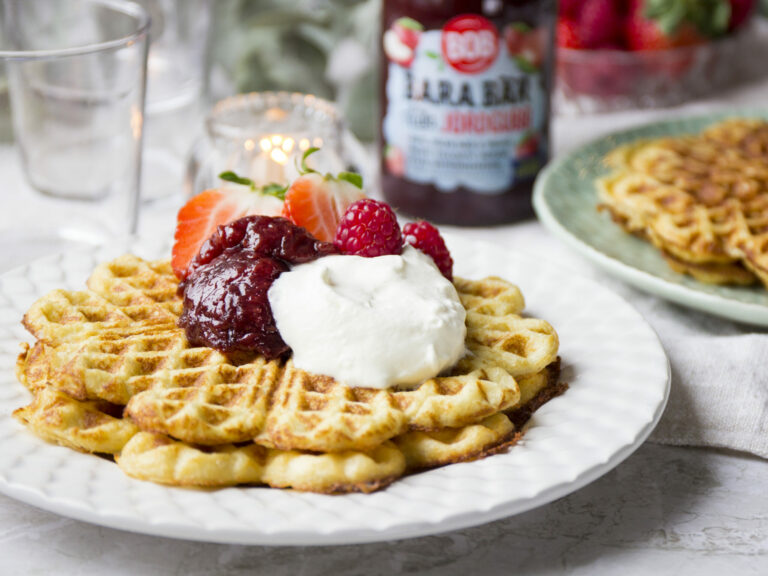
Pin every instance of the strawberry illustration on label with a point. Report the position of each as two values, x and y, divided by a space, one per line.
401 40
528 146
395 160
525 45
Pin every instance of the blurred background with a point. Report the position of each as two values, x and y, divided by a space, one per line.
330 48
612 55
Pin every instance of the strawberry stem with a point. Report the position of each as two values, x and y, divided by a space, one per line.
352 177
709 17
230 176
304 169
274 189
271 189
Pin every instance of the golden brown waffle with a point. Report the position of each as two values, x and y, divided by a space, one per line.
86 426
118 342
199 395
127 292
701 199
450 445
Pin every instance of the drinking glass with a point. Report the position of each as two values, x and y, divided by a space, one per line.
176 79
76 75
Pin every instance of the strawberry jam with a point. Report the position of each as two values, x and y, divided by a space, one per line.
225 293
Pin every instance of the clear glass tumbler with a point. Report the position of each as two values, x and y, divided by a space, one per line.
176 79
76 74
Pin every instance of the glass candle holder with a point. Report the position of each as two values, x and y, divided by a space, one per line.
263 135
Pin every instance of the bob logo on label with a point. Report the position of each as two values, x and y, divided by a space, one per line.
470 43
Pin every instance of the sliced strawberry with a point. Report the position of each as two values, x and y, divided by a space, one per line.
317 203
199 217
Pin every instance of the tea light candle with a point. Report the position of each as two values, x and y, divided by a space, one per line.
263 136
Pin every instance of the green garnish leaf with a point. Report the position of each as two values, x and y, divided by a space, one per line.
710 18
352 177
521 27
525 65
304 169
274 189
410 23
230 176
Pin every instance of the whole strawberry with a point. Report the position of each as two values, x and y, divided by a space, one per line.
569 8
425 237
665 24
741 10
599 23
369 228
568 34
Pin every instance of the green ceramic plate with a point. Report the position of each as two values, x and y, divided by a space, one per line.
565 200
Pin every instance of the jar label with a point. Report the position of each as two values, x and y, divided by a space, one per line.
466 106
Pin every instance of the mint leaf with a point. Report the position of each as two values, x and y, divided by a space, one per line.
274 189
409 23
304 169
230 176
351 177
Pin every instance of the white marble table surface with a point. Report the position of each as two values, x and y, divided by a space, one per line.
665 510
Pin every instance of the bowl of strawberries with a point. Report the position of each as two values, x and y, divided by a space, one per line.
618 54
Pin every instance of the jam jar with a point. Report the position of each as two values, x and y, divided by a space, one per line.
465 106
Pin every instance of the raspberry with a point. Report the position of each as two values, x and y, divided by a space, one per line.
369 228
425 237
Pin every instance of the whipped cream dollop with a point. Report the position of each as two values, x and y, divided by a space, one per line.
370 322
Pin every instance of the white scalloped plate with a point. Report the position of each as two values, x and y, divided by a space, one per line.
619 383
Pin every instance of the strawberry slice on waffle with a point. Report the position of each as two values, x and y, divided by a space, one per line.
317 201
200 217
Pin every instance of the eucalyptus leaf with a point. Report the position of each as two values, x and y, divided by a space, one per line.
361 108
286 45
283 18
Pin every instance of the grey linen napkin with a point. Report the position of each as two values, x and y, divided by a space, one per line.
719 395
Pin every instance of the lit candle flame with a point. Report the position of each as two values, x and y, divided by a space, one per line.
279 156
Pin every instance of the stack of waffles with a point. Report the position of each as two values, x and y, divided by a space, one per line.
112 374
701 199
